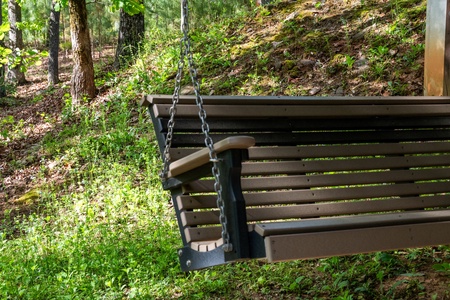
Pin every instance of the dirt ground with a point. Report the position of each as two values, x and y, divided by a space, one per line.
36 111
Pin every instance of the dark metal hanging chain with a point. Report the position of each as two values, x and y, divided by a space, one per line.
185 52
172 112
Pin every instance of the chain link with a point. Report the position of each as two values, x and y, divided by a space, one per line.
172 113
185 52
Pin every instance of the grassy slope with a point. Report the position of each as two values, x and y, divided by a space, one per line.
95 223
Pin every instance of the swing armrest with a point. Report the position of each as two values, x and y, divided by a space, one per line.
201 157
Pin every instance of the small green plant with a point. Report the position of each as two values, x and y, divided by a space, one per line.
442 267
5 126
263 60
396 88
349 61
379 69
10 129
345 296
414 52
38 98
263 11
379 51
68 110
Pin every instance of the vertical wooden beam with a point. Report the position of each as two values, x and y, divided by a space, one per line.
437 49
447 51
230 167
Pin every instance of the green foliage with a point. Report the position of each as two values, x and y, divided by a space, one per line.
442 267
61 3
4 52
131 7
34 25
349 61
4 124
4 28
26 58
166 13
11 129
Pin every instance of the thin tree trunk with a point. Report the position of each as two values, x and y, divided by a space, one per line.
83 68
15 75
53 36
2 67
99 34
64 40
131 32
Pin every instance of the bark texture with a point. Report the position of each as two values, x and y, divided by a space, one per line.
131 32
15 75
53 36
2 67
83 69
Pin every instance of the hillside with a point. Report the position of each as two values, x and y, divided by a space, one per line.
310 47
82 212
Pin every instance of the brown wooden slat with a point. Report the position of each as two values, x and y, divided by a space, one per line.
311 181
319 151
207 202
236 126
307 196
199 234
193 234
331 180
297 100
320 137
189 218
198 186
306 111
205 246
347 242
319 195
186 202
258 214
374 163
352 222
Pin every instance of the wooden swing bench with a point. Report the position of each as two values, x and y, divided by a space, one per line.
308 177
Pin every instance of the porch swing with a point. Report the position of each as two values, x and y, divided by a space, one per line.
285 178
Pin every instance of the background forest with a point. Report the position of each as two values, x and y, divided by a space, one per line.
82 212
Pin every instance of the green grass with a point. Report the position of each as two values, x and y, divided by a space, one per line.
103 228
99 232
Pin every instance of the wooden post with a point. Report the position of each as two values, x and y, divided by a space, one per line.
437 49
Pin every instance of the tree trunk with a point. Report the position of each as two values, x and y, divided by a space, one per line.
2 67
131 32
15 75
83 68
53 36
